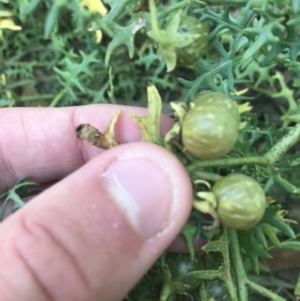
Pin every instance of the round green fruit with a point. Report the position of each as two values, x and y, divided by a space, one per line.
221 100
241 201
181 265
208 132
216 290
190 54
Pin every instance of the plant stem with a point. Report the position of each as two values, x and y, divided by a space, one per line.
221 245
264 291
175 7
226 162
283 145
207 176
114 13
227 270
57 98
238 266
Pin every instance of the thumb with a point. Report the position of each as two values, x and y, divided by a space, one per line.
94 234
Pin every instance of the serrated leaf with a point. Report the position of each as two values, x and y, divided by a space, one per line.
259 235
81 17
210 72
271 217
264 34
70 72
52 16
289 41
253 70
21 189
27 8
225 20
189 232
121 35
293 245
249 244
168 40
271 233
116 7
147 59
150 124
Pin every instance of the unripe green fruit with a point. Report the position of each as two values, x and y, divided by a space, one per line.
221 100
241 201
190 54
216 290
207 132
181 268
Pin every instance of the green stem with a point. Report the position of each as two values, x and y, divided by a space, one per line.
25 82
29 98
283 145
27 64
175 7
286 240
207 176
224 272
264 291
227 269
116 11
57 98
167 289
285 184
297 287
279 58
226 162
237 263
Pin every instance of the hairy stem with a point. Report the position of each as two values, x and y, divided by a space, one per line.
283 145
58 97
264 291
227 265
207 176
237 263
226 162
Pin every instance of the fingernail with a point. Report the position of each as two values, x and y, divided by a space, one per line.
143 190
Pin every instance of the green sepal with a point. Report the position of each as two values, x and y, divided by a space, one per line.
150 124
271 217
168 40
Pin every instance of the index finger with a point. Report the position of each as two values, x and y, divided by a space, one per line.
41 142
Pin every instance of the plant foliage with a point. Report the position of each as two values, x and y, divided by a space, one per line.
61 53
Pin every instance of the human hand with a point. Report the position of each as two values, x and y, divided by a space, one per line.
107 218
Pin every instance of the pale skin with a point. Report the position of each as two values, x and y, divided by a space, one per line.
73 241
